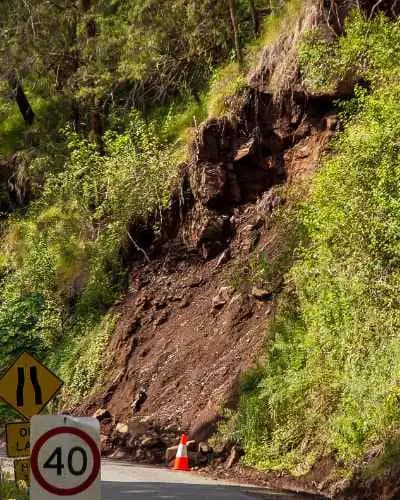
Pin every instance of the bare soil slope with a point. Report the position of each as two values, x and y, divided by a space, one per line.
186 329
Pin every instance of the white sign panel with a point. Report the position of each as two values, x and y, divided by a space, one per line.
65 458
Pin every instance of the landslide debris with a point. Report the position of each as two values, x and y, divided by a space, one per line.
185 334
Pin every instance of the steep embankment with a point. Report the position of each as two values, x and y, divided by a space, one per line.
195 317
323 402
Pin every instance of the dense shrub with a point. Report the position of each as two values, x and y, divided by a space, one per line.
330 382
61 261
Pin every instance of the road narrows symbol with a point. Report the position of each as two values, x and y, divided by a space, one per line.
35 384
20 386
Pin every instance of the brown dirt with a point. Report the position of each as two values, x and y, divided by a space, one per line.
187 329
172 343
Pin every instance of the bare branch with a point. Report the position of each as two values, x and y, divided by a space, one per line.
138 247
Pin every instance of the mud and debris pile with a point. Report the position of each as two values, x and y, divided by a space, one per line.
186 331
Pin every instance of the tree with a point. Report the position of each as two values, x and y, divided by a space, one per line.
232 11
254 17
21 99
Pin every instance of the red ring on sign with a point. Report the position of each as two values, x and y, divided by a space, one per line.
65 491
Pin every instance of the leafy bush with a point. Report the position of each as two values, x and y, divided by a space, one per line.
369 51
61 261
79 361
330 382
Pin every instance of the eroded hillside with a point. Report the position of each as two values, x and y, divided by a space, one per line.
191 323
202 235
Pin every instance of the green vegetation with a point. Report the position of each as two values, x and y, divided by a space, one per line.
92 127
329 384
95 101
8 489
61 257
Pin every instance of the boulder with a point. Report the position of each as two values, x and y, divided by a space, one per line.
170 454
261 294
101 414
192 445
151 442
140 455
197 459
122 428
204 448
105 444
137 427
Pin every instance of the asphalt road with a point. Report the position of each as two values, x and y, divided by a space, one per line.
124 481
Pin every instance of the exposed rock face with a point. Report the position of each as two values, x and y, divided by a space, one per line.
233 164
186 330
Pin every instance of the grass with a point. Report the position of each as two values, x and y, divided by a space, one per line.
331 369
9 489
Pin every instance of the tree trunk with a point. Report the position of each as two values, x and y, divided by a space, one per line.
232 11
95 119
254 17
22 101
24 106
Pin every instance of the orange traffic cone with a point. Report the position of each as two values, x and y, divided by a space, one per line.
182 459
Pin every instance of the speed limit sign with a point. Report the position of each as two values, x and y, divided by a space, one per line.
65 458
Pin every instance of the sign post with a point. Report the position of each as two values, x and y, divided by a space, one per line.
65 458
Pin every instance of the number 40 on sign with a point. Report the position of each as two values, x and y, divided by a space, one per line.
65 458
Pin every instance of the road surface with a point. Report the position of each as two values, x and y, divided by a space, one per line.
124 481
127 481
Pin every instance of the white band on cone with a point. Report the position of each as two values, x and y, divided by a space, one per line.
182 451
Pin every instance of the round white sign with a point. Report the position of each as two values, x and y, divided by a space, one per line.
65 459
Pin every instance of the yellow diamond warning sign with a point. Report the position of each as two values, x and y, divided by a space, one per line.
18 439
28 385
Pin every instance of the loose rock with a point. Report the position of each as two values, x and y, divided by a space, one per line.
162 318
139 400
170 454
234 457
151 442
261 294
204 448
121 428
101 414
